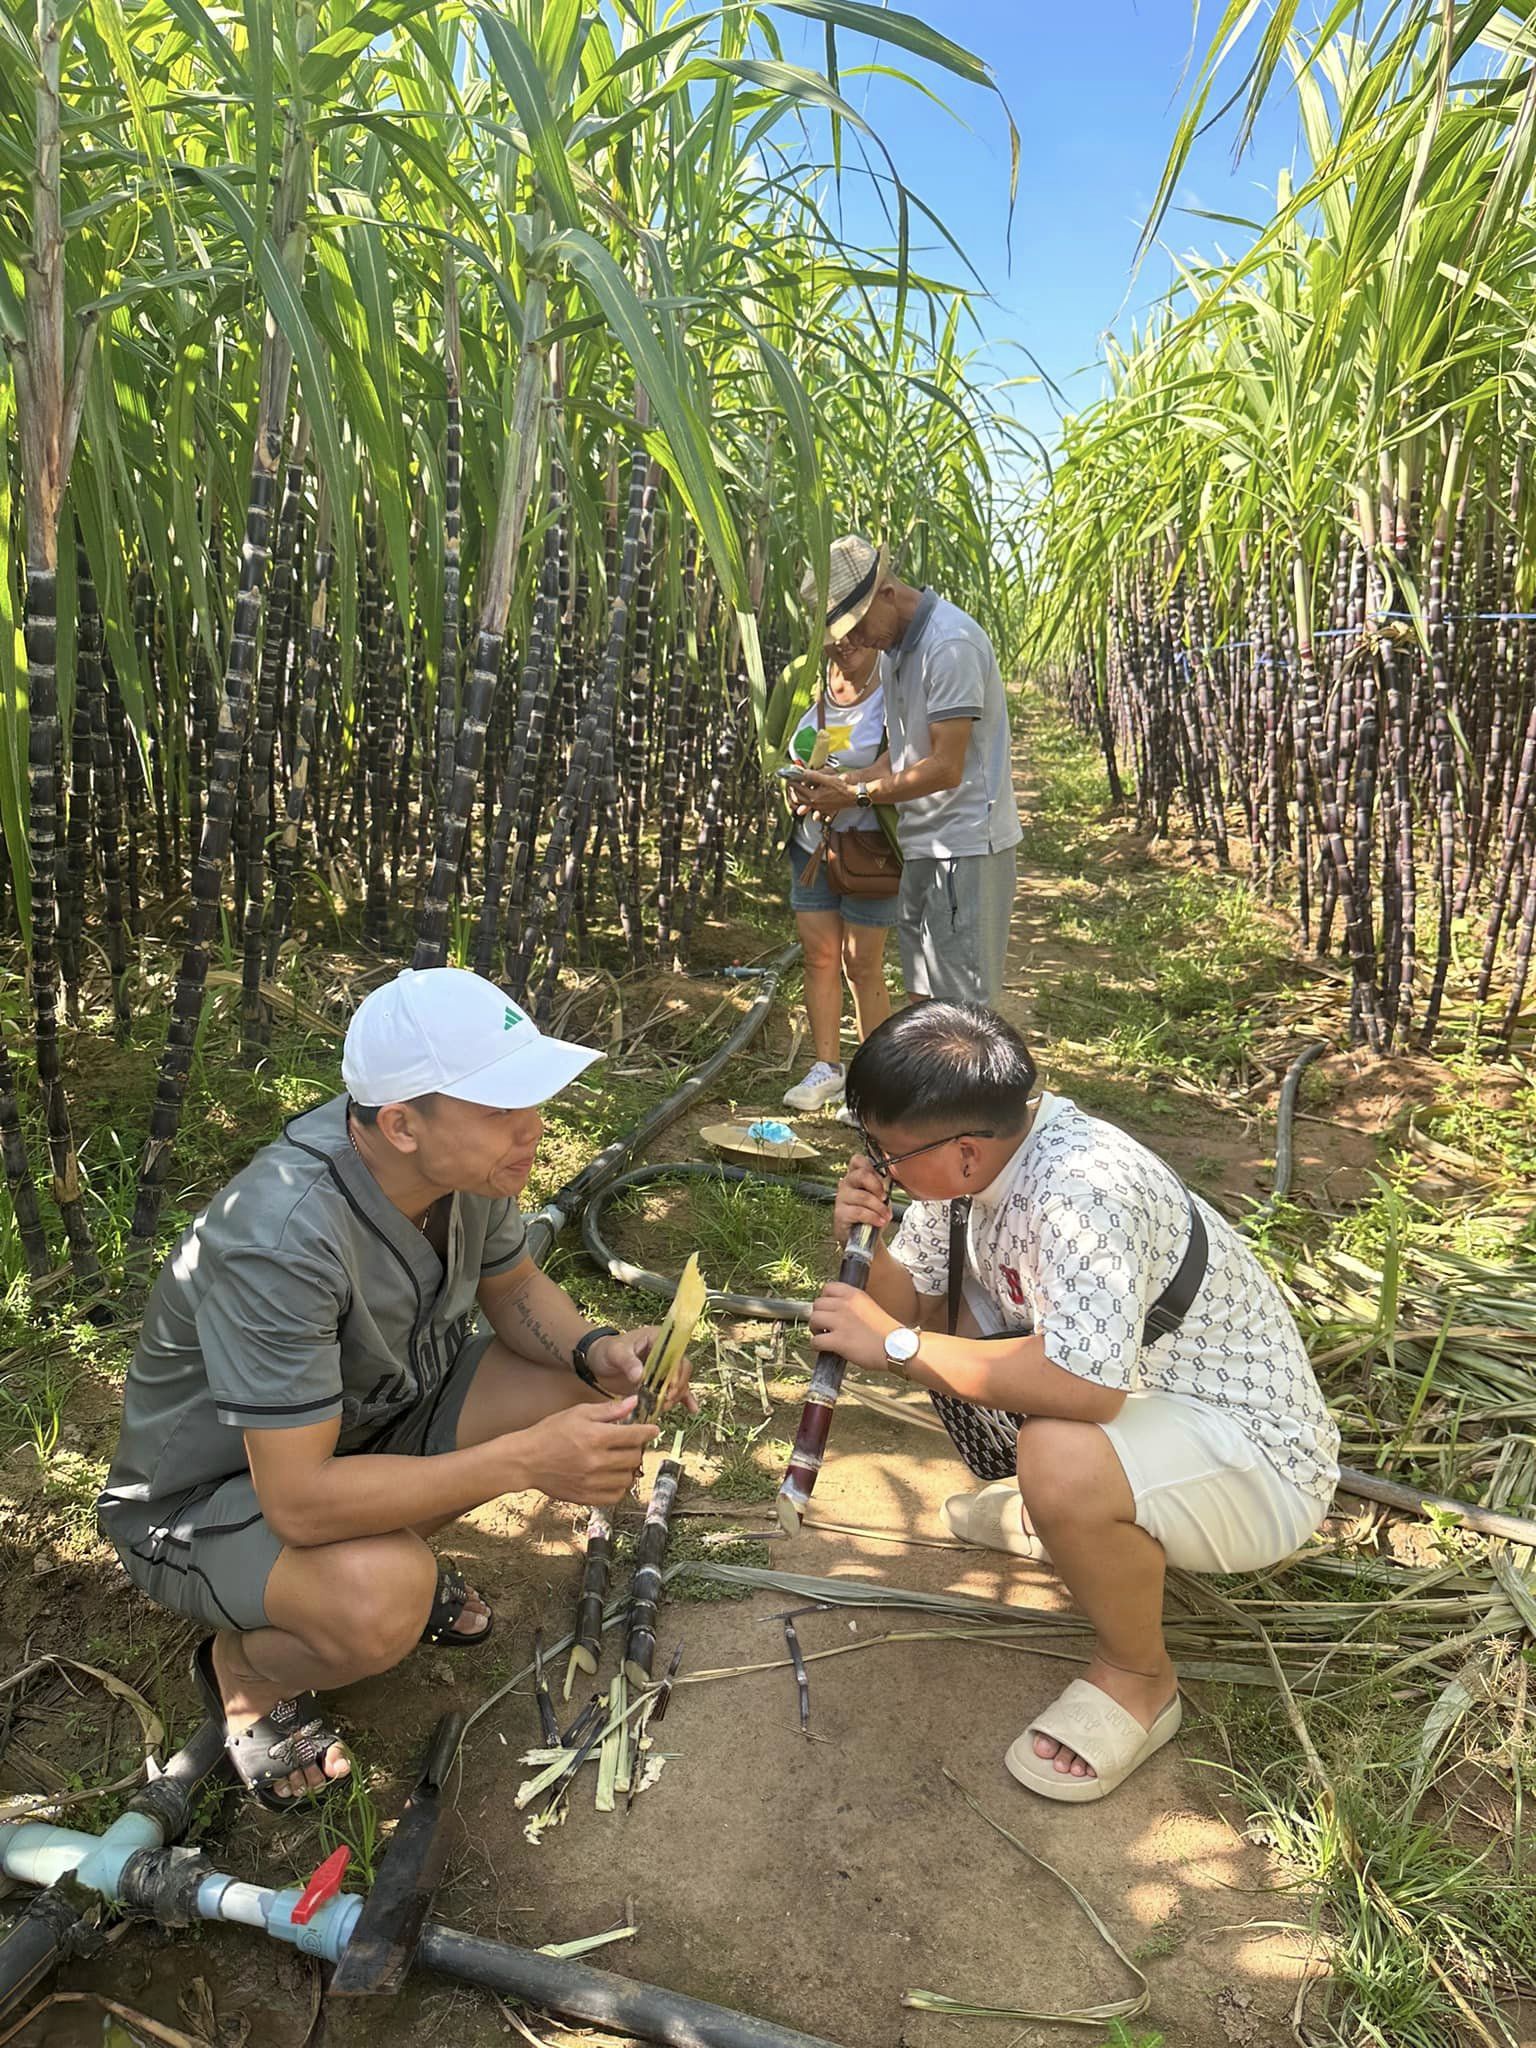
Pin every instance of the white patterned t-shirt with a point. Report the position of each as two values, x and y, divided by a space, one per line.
1076 1239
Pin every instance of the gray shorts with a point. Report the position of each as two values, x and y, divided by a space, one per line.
209 1554
952 924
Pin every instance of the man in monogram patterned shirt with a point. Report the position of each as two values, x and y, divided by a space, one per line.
1122 1371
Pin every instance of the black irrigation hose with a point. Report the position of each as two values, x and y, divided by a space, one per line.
568 1202
1285 1117
573 1991
761 1307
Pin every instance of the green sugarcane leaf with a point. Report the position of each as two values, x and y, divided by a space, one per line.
288 311
518 69
681 442
334 55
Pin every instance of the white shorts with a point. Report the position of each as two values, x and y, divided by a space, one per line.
1204 1490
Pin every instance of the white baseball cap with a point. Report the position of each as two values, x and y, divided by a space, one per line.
445 1031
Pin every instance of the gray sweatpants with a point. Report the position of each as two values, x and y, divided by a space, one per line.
952 923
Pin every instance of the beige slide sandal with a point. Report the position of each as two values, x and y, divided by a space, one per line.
994 1520
1101 1732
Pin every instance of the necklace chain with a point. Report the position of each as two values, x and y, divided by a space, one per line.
426 1216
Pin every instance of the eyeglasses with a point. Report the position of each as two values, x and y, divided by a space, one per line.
886 1163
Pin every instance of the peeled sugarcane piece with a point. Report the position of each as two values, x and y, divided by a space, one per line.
652 1714
821 1396
587 1648
615 1743
548 1722
672 1339
645 1587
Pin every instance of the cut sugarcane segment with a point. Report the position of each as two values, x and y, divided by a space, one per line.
672 1339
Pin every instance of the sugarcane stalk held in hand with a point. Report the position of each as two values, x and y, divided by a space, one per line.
821 1396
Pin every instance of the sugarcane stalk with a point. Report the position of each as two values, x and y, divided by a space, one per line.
548 1721
289 232
587 1647
821 1397
500 562
645 1587
582 1722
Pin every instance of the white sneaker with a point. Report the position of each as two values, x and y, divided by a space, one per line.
846 1116
821 1086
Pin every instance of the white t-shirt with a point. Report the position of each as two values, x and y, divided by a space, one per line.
856 733
1078 1236
945 668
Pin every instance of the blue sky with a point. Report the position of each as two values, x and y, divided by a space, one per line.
1096 91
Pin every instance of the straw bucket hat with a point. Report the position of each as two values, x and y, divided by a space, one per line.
858 568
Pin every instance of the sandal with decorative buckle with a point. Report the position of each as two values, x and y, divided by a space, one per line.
290 1737
448 1604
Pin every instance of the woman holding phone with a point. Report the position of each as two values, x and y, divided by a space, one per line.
840 934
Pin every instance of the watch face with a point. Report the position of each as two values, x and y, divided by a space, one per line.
901 1346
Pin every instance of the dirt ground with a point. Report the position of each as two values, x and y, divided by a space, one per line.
808 1880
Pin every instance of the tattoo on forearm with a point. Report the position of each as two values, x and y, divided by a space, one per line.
528 1316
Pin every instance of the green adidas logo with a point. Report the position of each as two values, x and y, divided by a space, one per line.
513 1017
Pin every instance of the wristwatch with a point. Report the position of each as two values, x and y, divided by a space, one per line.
901 1347
584 1344
862 796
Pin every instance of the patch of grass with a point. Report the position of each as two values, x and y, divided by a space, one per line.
1422 1913
1166 1938
350 1817
1181 956
744 1478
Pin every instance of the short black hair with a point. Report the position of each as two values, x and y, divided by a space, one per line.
367 1113
941 1062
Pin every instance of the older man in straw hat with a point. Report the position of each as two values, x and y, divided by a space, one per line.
947 770
349 1348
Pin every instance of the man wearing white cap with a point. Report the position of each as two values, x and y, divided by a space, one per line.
349 1349
948 770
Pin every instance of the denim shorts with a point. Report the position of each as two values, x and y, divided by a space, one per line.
877 911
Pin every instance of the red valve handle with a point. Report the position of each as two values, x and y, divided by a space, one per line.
324 1884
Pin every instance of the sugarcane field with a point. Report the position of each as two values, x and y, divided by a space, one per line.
767 1024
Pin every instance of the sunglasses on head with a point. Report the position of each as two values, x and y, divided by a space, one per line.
886 1163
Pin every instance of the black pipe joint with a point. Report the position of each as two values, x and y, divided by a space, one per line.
162 1885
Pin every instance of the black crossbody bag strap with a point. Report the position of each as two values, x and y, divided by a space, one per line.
1178 1297
1163 1317
959 1218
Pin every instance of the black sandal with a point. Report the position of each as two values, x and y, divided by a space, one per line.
448 1604
289 1738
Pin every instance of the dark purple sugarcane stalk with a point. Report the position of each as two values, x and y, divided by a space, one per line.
285 853
810 1444
90 685
255 1023
586 1649
1444 755
288 229
645 1587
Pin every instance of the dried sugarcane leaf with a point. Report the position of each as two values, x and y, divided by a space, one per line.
1094 2015
568 1951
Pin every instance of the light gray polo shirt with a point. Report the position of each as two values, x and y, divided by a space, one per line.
299 1295
945 668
